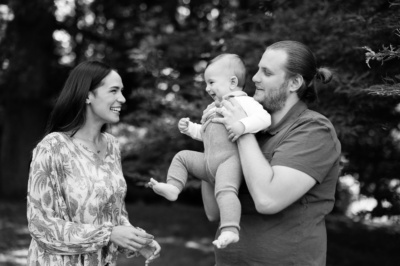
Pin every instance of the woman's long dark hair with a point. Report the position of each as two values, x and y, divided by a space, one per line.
69 114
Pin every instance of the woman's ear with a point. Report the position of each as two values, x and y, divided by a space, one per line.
89 97
295 83
233 82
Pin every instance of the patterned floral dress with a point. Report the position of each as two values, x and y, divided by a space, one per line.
74 200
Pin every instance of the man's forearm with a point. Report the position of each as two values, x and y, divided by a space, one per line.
257 171
272 188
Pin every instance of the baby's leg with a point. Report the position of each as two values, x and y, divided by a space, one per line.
227 183
182 164
168 191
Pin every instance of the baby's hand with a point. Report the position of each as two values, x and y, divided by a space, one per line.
183 124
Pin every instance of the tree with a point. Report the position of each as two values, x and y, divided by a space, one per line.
387 190
25 84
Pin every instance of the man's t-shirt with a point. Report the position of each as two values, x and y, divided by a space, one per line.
304 140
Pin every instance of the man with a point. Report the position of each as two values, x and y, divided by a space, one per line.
290 170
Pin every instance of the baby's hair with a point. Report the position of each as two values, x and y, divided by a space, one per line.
235 64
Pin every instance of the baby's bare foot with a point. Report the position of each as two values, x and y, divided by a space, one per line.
168 191
226 238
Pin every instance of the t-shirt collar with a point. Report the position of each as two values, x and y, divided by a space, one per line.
293 113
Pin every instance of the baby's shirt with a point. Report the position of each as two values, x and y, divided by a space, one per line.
194 131
257 119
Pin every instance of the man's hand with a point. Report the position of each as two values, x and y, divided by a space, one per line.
232 113
235 131
183 124
209 111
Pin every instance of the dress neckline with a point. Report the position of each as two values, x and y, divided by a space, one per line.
92 155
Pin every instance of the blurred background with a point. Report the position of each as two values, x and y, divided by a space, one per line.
160 48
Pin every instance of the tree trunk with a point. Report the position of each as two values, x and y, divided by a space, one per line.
25 89
24 124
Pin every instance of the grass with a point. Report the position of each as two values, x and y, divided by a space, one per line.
182 230
185 236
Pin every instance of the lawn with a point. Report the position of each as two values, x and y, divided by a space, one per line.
185 236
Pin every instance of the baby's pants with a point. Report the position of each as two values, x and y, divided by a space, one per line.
219 165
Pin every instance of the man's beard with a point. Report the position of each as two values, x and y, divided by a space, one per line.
275 99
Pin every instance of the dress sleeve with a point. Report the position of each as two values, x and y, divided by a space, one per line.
124 218
125 221
124 215
48 220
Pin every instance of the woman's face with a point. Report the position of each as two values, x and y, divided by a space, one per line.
106 100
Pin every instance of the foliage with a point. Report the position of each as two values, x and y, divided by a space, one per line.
160 48
386 54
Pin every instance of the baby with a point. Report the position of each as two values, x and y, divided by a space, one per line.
219 164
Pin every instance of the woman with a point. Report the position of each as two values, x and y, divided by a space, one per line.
76 190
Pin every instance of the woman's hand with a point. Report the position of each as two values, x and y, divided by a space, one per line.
130 237
232 113
157 249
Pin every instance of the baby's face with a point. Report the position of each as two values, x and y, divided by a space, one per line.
217 80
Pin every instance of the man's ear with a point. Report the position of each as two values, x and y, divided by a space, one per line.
233 82
295 83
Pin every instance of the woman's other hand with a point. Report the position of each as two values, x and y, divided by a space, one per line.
157 249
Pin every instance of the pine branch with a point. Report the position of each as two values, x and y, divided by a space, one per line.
385 90
387 53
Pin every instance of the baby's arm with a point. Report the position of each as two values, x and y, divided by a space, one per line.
257 118
191 129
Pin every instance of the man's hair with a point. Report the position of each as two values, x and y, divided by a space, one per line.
301 61
69 114
235 64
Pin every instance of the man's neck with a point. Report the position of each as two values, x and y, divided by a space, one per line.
277 116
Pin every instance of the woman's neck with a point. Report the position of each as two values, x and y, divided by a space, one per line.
90 133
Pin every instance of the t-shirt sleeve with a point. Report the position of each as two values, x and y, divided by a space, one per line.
310 147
